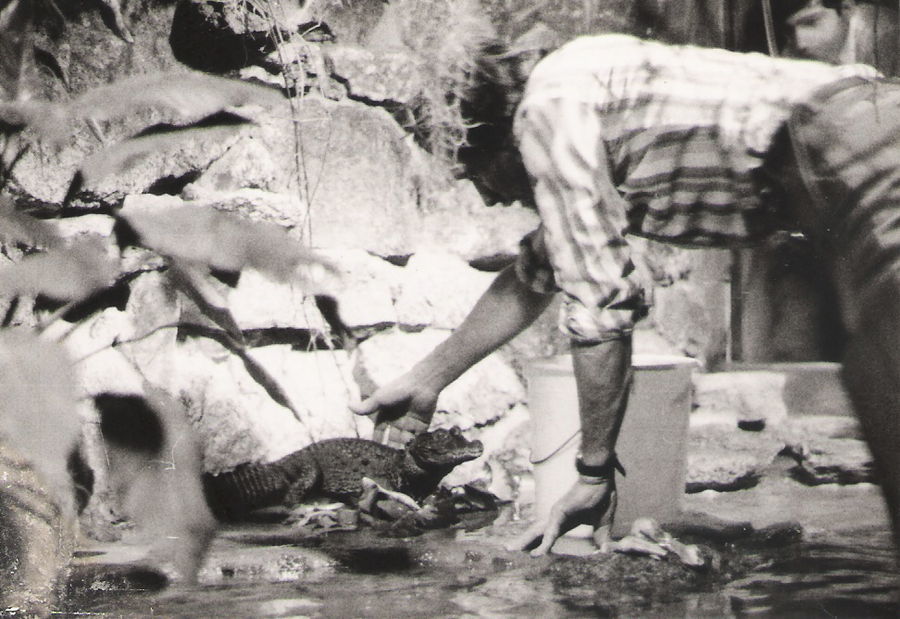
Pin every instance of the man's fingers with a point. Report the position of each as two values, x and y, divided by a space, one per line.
366 407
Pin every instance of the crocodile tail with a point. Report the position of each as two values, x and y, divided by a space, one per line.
250 486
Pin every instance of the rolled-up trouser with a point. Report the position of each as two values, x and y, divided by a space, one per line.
847 147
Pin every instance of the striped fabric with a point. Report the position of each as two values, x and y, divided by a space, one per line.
625 136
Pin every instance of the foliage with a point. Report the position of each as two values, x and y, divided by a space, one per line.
447 36
38 409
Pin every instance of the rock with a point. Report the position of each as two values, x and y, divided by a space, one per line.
748 396
238 422
438 290
247 164
814 427
350 22
691 287
260 303
348 165
481 235
380 76
365 288
45 175
101 367
721 457
153 311
37 538
721 470
73 228
833 461
218 37
480 396
249 203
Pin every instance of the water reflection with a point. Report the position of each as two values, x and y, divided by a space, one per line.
849 576
835 576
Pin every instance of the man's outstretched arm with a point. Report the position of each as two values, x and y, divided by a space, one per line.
407 404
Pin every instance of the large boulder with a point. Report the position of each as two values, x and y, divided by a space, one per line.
438 290
482 395
365 289
348 164
484 236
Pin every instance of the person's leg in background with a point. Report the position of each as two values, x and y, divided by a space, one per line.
847 148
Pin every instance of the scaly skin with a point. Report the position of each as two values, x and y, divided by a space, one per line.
334 469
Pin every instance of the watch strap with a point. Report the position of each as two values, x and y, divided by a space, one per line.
605 470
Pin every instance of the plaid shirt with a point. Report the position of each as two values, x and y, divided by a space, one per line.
622 135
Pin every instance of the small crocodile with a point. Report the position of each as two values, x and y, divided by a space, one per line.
334 469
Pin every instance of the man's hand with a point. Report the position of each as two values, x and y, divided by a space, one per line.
403 409
585 503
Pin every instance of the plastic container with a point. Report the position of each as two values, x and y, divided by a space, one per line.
652 444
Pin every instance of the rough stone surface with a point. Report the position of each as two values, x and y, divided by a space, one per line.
381 76
438 290
45 174
284 209
480 396
247 164
833 460
259 303
349 166
721 457
475 232
154 307
721 470
365 287
37 538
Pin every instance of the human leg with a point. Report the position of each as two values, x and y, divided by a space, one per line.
847 146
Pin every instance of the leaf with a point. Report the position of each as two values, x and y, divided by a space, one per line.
125 155
220 240
37 410
18 72
17 228
17 115
191 280
190 95
70 273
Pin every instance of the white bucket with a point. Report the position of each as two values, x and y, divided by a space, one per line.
651 446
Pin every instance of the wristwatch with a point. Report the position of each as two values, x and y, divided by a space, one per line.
604 470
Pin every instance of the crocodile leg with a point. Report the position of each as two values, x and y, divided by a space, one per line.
303 482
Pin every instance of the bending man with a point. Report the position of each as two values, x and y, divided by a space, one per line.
689 146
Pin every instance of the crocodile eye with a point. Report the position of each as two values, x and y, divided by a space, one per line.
455 431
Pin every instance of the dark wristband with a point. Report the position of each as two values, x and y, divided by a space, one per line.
605 470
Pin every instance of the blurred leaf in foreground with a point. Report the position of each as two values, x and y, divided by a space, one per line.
191 95
37 410
17 228
194 282
70 273
220 240
123 156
